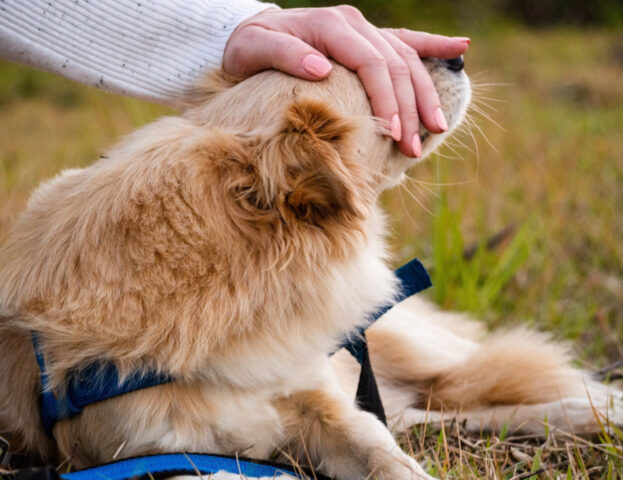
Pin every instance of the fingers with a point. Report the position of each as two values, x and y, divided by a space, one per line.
387 61
399 70
428 104
255 49
356 52
429 45
413 88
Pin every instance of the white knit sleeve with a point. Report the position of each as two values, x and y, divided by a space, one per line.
150 49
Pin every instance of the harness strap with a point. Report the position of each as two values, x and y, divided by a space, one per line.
413 279
100 380
368 397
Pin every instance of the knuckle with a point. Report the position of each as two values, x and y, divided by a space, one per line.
405 51
287 48
399 68
245 35
399 32
235 49
328 16
375 61
411 116
350 12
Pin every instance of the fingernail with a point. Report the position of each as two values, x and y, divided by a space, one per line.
396 129
416 145
440 119
463 39
316 65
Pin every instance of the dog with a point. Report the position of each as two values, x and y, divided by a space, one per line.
233 248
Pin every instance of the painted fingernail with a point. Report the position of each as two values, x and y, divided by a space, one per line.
396 129
416 146
316 65
463 39
440 120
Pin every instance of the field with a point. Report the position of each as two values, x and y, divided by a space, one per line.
538 176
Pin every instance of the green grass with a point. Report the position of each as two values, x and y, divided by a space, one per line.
554 174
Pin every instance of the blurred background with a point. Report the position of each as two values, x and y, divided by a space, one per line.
519 218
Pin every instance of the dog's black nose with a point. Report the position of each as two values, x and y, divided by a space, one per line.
454 64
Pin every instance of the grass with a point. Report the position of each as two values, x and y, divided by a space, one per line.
554 174
453 453
549 178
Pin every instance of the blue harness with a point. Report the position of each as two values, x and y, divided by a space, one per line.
100 381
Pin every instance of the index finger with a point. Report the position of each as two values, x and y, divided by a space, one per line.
351 49
431 45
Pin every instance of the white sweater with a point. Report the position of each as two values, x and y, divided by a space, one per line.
149 49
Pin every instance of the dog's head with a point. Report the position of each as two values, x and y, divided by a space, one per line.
310 153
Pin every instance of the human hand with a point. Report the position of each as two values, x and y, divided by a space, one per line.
298 41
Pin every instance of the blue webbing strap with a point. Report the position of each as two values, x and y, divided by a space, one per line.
155 466
413 279
98 381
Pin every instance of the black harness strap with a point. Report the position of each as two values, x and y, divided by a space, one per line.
413 278
368 397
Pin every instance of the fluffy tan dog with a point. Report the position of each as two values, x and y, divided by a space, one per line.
233 248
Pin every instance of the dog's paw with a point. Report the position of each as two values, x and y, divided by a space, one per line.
593 414
398 466
600 409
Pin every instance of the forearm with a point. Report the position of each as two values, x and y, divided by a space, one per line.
153 50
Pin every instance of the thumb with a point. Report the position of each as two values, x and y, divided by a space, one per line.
254 48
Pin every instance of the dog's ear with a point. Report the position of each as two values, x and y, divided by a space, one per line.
303 173
311 157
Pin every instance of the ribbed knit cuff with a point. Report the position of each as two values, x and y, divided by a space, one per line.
150 49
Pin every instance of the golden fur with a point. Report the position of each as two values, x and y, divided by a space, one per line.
233 248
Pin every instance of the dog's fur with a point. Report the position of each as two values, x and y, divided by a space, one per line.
233 248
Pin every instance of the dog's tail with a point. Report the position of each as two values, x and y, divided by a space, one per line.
510 367
442 355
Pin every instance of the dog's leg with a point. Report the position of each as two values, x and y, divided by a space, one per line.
325 429
582 415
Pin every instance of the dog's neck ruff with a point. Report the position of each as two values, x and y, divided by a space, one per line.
100 380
